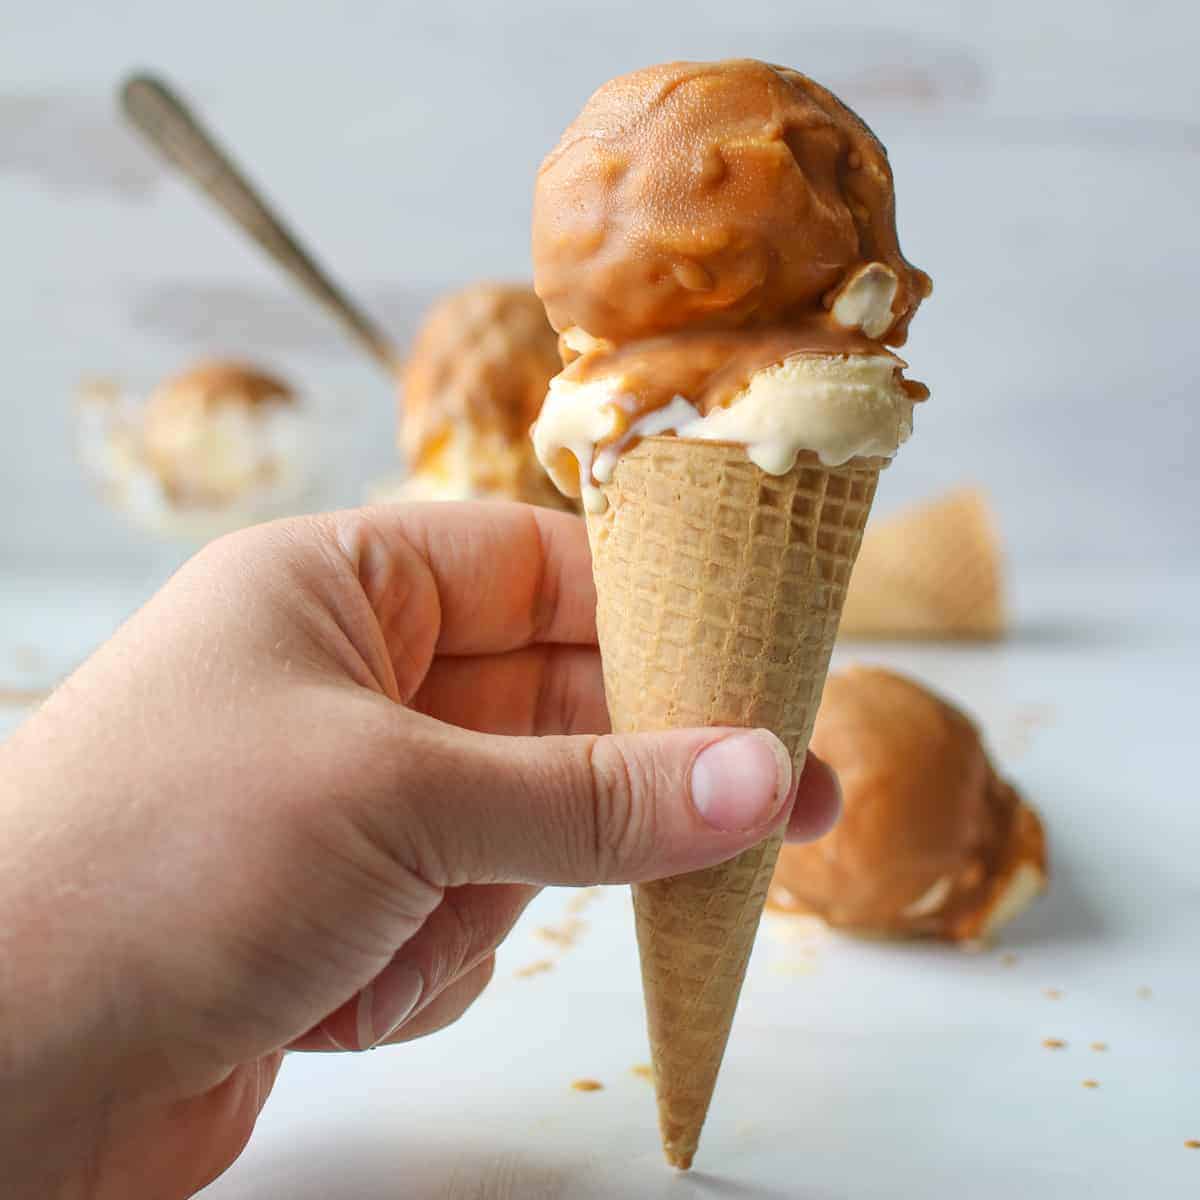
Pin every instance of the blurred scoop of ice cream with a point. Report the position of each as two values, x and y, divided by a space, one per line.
471 387
218 445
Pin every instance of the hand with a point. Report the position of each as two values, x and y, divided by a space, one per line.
297 801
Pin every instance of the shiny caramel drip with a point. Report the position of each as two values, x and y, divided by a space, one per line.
708 368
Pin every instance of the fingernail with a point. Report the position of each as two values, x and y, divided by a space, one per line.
741 781
385 1004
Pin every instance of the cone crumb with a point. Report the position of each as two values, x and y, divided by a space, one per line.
581 900
564 936
1054 1043
643 1071
1009 960
534 968
1052 993
1100 1047
1144 993
587 1085
22 697
1192 1144
1091 1083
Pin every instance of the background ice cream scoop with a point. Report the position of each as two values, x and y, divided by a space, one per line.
932 841
219 445
207 432
472 386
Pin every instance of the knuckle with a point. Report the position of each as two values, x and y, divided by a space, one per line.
454 942
622 808
484 972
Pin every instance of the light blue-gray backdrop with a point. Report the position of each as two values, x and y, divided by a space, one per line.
1047 158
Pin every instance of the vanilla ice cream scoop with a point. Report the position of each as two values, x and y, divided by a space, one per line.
838 407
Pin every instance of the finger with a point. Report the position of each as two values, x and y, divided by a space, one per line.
506 575
818 802
267 1074
466 927
449 1005
573 810
535 690
225 1113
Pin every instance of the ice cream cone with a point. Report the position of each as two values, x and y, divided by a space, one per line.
719 592
931 572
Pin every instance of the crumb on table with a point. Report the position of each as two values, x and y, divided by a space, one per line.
794 966
643 1071
1144 993
22 697
1009 959
1091 1083
1192 1144
582 899
1100 1046
587 1085
534 968
564 936
1054 1043
1052 993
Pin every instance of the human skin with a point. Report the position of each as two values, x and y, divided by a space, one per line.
296 802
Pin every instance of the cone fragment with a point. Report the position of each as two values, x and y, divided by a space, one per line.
931 572
719 589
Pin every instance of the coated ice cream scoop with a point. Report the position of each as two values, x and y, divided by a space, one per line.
472 385
932 842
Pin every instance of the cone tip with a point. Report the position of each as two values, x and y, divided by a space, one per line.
681 1160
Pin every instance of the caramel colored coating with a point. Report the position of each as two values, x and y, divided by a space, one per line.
708 367
930 836
483 356
721 195
478 373
218 381
179 421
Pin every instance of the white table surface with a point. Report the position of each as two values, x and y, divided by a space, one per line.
854 1069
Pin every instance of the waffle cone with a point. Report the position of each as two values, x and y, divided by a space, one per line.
719 589
931 572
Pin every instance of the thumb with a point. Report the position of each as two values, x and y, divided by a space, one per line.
579 810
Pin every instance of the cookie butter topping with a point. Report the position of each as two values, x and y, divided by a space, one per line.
702 222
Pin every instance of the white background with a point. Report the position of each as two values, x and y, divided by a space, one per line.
1047 159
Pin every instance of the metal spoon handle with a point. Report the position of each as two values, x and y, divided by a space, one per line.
168 124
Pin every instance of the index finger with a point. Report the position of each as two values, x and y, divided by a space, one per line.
507 575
